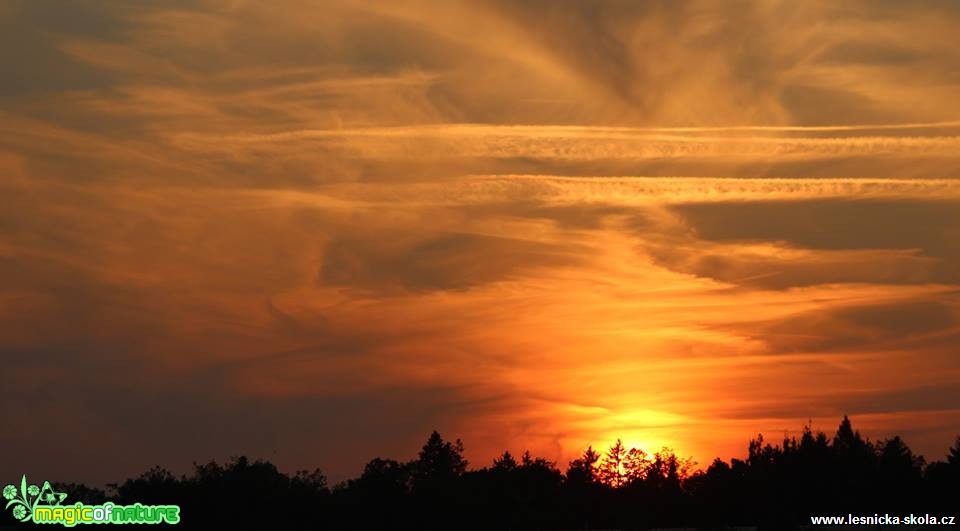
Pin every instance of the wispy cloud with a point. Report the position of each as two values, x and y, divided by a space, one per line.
288 227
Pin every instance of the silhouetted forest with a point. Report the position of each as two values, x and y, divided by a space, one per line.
777 486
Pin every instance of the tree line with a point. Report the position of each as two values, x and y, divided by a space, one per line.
777 486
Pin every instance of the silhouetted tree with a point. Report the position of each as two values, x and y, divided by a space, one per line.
505 462
435 488
942 481
953 455
611 470
855 462
773 487
537 491
635 465
383 485
583 488
899 472
716 489
583 470
438 460
78 492
152 487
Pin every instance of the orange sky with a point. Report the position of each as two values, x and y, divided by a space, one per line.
315 231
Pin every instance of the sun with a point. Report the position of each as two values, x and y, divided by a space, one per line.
642 429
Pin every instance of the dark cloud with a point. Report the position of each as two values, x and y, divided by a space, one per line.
835 225
32 66
444 261
936 397
571 217
825 403
100 412
780 269
876 327
830 224
586 36
881 53
819 105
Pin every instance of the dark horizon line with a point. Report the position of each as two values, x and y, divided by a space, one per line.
695 466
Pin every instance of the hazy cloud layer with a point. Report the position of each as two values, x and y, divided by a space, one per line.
313 232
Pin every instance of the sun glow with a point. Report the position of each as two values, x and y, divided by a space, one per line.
337 229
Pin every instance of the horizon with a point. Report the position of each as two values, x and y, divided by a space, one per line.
694 466
319 230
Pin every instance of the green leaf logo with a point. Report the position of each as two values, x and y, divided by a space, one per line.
25 499
50 497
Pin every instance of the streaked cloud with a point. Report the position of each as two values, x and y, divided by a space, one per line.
313 233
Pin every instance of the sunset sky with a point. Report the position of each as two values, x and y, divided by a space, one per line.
313 232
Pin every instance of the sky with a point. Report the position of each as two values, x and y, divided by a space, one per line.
312 232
